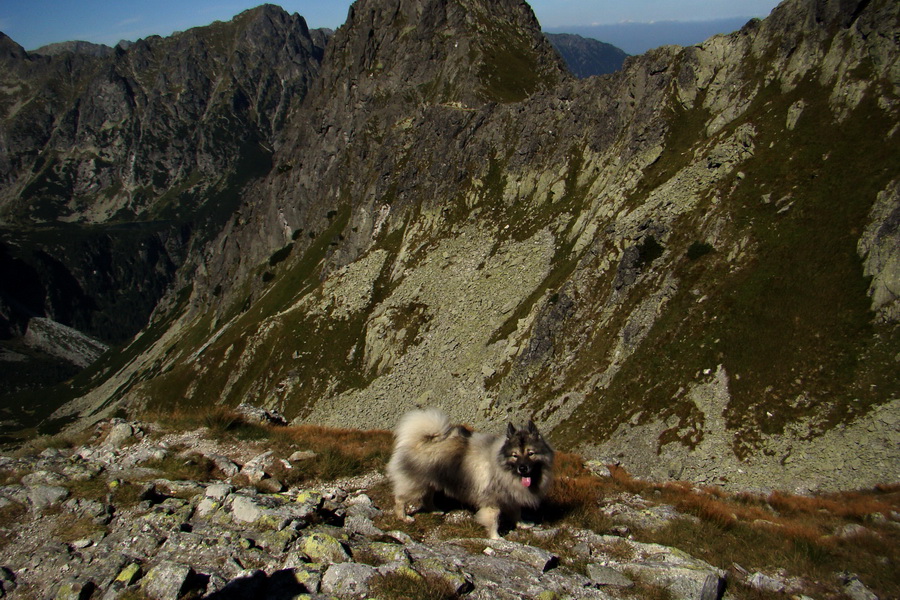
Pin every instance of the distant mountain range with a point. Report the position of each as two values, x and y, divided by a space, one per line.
637 38
585 56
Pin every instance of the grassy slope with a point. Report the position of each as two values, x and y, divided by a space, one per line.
801 297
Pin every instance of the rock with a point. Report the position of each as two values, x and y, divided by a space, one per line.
130 574
269 485
91 509
179 488
850 530
854 588
597 468
149 454
307 575
126 578
607 576
683 575
119 434
636 512
218 491
43 496
713 587
166 581
224 464
321 547
361 525
302 455
765 583
347 579
259 415
246 510
207 506
536 557
43 478
322 541
255 469
75 590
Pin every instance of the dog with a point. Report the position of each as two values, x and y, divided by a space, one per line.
497 476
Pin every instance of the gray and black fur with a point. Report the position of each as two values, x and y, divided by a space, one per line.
496 475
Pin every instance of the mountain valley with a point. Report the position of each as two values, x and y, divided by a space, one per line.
688 267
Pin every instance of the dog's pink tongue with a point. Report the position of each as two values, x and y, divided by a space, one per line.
526 481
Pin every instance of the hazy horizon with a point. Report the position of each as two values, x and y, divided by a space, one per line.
37 23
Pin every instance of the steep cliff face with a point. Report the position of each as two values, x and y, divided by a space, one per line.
128 158
148 133
117 164
688 266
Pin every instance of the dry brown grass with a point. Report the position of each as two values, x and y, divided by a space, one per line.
68 528
779 531
793 534
644 590
409 585
575 495
192 467
338 452
59 441
372 448
845 505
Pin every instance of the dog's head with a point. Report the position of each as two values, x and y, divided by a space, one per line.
527 455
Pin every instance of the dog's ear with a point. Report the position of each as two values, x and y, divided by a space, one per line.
532 428
510 430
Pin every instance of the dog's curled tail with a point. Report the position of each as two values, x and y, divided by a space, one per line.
420 426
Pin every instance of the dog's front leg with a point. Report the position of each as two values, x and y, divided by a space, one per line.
489 518
400 510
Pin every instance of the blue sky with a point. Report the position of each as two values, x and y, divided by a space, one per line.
33 23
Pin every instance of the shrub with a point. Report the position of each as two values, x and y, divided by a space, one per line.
280 255
193 467
698 249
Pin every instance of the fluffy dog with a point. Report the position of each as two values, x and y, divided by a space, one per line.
493 474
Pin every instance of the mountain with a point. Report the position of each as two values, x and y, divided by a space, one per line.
637 38
687 266
123 160
586 57
75 47
115 165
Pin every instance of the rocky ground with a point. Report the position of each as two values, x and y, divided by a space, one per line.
126 512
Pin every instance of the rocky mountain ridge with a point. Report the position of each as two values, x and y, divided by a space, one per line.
688 266
141 151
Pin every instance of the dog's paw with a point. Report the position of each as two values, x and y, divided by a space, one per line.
407 519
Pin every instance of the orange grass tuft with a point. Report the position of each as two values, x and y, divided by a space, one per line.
845 505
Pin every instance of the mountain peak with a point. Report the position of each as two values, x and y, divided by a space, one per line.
467 51
9 48
75 47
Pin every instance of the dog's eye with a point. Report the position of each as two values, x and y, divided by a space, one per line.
531 453
515 455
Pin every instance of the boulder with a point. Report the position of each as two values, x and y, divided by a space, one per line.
347 579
